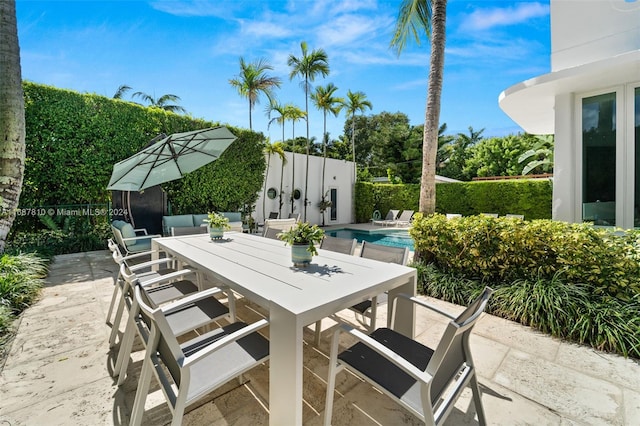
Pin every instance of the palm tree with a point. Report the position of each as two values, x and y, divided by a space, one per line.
279 149
308 66
12 121
356 102
324 100
270 149
162 102
280 109
293 113
429 16
253 80
122 90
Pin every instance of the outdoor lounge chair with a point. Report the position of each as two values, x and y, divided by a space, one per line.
399 255
405 218
191 311
427 382
390 218
187 372
131 240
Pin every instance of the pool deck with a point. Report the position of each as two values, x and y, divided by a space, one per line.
57 372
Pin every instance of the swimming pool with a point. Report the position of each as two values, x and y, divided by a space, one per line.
385 237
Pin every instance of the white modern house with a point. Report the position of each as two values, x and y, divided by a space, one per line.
590 101
338 188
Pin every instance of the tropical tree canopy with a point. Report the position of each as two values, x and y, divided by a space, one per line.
254 80
163 102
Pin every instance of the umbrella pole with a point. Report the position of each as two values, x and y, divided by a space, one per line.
133 223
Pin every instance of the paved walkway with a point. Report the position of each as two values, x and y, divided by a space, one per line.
57 372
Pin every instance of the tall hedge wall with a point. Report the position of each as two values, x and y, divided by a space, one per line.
73 140
530 197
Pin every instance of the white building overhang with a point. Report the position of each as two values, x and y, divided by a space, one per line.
531 103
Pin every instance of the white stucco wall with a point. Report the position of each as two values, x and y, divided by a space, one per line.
590 30
338 174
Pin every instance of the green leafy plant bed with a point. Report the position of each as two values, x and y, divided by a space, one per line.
21 278
572 281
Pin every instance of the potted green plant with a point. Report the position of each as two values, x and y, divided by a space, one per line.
302 238
217 225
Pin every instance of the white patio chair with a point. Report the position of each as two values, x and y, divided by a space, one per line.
426 381
271 233
187 372
279 224
339 245
405 218
191 311
399 255
390 218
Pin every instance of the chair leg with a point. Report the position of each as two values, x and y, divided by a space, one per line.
141 393
477 399
115 327
374 312
316 339
126 346
114 297
331 379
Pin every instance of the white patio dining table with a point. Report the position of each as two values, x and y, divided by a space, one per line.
261 270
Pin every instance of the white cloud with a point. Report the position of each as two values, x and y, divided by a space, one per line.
484 19
194 7
264 29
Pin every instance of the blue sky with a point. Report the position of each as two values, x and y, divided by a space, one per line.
191 48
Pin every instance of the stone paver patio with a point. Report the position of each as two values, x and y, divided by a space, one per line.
57 372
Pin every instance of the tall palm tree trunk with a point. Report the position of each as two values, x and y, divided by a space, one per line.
432 115
12 122
264 192
306 178
280 202
324 164
293 164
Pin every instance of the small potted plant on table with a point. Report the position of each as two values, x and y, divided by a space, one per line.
302 238
217 225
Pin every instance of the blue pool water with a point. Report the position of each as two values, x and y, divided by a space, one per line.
385 237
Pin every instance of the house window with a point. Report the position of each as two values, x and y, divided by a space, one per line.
599 159
334 203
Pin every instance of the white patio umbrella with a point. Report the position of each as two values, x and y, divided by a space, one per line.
170 158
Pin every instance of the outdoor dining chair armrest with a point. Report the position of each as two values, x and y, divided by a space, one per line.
141 237
143 230
136 255
150 263
192 298
165 278
378 347
230 338
422 303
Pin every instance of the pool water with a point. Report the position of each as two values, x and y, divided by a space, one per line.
386 237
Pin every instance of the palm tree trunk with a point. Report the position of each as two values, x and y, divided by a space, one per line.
12 122
324 163
432 114
250 124
293 163
306 176
264 193
280 202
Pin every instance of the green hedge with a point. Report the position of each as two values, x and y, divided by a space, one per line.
73 140
504 250
529 197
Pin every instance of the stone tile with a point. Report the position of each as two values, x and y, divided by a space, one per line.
28 383
91 404
631 406
517 336
572 394
602 365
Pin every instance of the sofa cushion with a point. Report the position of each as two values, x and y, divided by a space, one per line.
233 216
179 220
198 219
118 223
128 232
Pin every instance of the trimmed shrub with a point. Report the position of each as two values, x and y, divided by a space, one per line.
504 250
